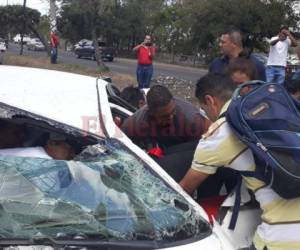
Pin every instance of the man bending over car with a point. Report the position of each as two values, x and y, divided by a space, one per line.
280 225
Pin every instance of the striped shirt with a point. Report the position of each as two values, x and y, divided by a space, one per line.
280 227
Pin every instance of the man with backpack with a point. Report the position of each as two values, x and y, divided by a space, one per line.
220 146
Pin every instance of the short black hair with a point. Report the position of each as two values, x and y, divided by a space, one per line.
284 28
219 85
235 35
158 96
244 65
132 95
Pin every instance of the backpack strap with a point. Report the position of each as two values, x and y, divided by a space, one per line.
237 204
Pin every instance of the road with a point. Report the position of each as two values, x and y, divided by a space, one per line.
120 65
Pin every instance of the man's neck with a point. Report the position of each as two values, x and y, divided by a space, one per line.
235 53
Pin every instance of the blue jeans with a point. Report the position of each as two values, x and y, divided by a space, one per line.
275 74
53 55
143 75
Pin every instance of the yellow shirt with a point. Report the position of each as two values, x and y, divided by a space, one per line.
280 227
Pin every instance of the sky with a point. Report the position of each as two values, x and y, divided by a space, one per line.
41 5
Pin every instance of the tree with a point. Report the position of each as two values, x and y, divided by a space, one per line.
178 26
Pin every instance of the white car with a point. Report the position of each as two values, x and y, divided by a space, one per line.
2 50
112 195
17 39
35 44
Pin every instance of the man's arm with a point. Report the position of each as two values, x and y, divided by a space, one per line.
274 41
291 37
136 48
192 180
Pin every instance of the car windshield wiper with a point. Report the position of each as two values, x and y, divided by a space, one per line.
90 244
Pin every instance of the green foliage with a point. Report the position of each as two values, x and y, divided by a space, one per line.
177 26
12 19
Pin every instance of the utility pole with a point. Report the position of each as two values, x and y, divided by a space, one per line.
24 26
52 15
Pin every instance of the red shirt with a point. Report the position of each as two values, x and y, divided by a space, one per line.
145 54
54 40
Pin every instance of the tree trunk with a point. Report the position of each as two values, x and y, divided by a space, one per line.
98 57
24 26
42 39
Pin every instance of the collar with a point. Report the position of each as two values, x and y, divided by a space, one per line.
225 107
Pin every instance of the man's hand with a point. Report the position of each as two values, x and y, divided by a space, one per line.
288 34
282 36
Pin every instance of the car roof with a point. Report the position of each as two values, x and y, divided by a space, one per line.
65 97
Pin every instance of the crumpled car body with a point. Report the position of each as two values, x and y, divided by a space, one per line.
111 195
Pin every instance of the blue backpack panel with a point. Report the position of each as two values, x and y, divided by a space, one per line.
267 120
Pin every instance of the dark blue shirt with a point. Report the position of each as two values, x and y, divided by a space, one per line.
220 64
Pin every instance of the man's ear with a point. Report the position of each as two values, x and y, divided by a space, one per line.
209 100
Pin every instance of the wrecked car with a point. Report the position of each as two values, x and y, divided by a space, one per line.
111 195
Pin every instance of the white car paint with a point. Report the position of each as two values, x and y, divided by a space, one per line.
72 99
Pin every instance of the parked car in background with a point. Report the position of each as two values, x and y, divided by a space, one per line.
293 64
35 44
17 39
2 49
85 48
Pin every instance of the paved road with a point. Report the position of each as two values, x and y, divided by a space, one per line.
120 65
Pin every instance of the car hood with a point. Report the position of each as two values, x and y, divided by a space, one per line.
65 97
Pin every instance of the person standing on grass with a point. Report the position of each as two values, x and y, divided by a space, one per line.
279 45
145 53
54 42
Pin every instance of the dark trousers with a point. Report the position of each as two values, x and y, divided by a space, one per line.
54 53
143 75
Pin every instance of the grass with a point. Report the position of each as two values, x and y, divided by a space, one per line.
121 80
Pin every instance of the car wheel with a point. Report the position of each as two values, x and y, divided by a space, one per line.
110 59
78 56
94 58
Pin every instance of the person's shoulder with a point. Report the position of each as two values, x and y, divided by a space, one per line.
215 128
217 64
185 105
139 115
217 60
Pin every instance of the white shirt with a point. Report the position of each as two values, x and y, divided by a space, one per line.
35 152
278 52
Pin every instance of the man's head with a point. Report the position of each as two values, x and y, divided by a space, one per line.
230 43
213 91
161 105
58 148
283 33
134 96
147 40
241 70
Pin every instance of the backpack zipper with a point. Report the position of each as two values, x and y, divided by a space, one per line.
261 146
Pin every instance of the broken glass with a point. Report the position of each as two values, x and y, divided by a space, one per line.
106 192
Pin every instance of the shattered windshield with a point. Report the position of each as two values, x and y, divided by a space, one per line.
106 193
